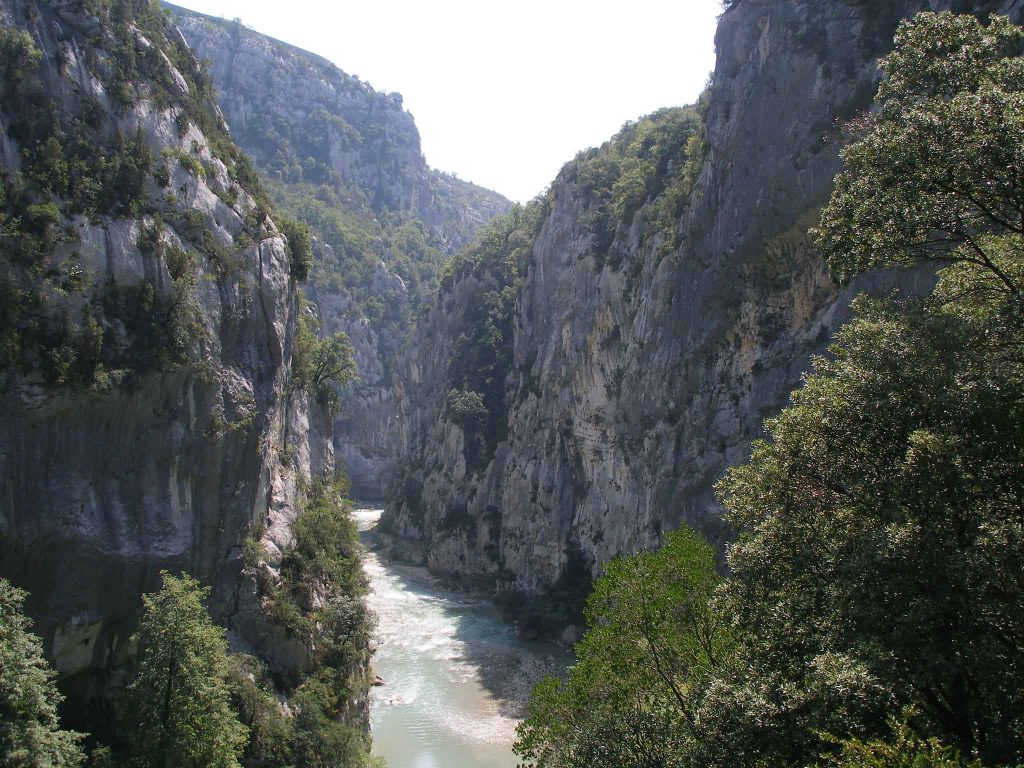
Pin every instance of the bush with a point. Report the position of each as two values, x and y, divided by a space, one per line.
300 248
466 408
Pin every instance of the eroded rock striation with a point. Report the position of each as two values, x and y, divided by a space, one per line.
149 313
646 355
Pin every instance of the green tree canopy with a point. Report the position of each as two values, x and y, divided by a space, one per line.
30 735
879 562
940 166
653 635
180 700
321 365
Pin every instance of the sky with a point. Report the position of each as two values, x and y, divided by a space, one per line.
505 93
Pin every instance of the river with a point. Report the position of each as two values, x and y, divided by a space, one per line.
456 677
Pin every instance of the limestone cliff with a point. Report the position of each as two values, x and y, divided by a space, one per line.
646 355
147 329
386 227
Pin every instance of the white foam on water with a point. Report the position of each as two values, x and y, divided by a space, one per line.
432 648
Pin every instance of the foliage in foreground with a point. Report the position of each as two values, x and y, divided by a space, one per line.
878 568
30 735
903 749
179 697
653 634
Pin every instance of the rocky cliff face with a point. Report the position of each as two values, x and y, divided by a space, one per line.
148 328
306 122
637 380
287 106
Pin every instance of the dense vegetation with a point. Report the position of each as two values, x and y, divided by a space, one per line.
319 599
360 239
652 162
190 703
872 615
30 736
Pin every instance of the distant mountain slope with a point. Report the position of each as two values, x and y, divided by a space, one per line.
305 120
346 160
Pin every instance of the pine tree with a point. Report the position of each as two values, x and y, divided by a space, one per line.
30 736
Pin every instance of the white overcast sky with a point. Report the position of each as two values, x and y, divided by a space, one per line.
505 93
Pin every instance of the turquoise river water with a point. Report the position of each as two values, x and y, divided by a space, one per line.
455 676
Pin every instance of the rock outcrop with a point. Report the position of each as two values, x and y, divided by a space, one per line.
634 387
148 334
304 120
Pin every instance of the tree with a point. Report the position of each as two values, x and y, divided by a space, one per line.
653 636
300 248
320 365
30 735
940 167
179 694
879 561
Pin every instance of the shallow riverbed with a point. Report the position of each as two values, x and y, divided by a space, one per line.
456 677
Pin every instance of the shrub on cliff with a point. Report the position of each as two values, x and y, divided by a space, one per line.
300 247
320 602
30 735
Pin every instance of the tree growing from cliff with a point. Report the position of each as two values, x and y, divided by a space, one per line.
321 365
179 697
30 735
300 247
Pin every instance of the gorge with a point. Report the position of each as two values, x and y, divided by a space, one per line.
206 229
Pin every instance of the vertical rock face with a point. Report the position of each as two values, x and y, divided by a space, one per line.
115 461
633 389
305 121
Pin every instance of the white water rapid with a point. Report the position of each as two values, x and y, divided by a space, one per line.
455 676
